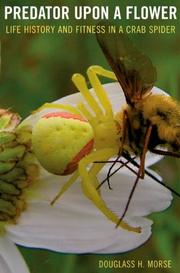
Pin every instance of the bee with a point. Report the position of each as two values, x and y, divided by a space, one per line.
148 121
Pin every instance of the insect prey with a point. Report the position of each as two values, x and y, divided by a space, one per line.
149 121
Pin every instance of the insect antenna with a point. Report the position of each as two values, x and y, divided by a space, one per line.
133 188
134 163
110 169
112 173
129 199
167 153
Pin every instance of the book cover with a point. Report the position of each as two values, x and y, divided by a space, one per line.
43 44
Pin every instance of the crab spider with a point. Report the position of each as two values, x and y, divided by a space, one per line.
107 137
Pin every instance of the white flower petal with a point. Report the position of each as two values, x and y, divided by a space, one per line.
11 260
75 225
66 230
129 240
149 196
151 159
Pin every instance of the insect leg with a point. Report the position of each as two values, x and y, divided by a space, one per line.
144 151
59 106
65 187
135 164
162 152
123 164
89 187
129 198
141 170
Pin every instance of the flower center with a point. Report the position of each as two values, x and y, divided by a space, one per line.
18 170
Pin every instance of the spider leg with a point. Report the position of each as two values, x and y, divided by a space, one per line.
94 170
124 128
93 72
66 186
81 85
59 106
89 186
86 113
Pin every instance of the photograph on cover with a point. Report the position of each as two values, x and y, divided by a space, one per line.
89 136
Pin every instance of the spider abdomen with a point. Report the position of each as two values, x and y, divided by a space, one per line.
60 140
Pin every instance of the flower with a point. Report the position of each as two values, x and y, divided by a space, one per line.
74 224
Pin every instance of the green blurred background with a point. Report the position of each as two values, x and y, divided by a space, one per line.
38 68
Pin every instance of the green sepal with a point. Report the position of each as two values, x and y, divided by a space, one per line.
18 166
3 218
14 174
12 153
8 120
4 121
6 137
7 207
6 166
8 188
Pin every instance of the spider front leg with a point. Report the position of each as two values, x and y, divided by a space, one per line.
80 83
89 184
99 113
93 72
65 107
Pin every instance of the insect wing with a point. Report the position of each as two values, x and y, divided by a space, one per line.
133 69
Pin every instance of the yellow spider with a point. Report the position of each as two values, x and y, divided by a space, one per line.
107 138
